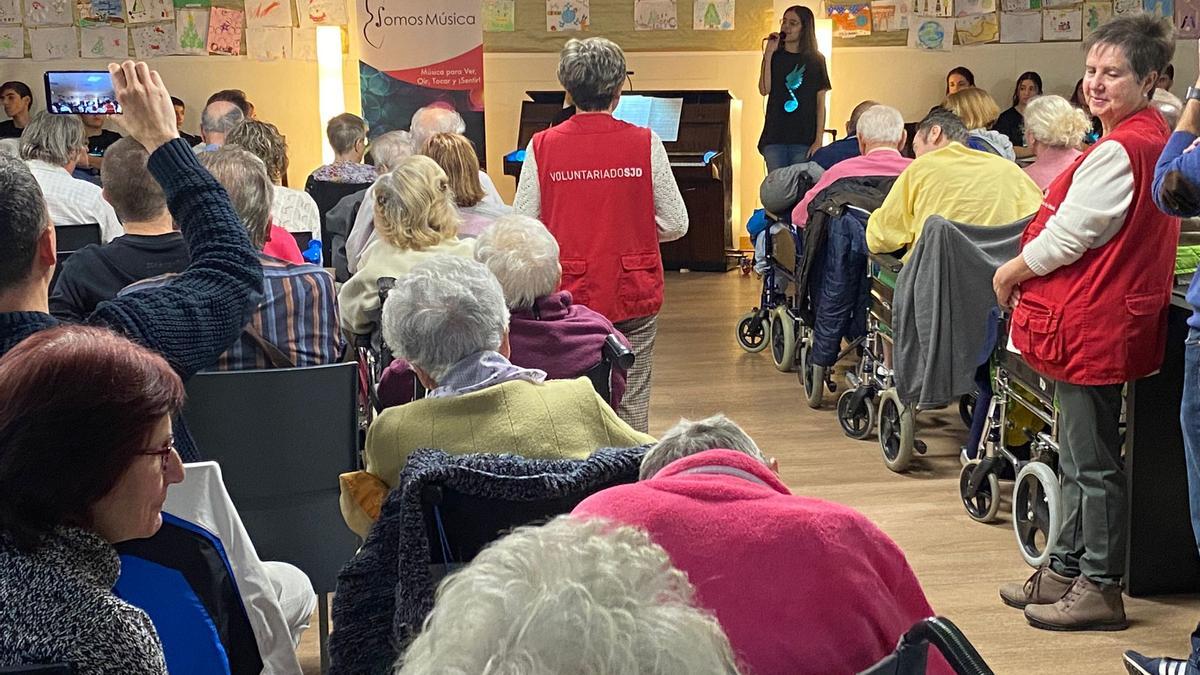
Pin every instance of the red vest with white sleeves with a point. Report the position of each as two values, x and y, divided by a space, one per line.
1103 318
598 201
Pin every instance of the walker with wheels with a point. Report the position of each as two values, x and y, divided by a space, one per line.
773 322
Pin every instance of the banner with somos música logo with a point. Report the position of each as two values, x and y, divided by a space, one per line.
417 53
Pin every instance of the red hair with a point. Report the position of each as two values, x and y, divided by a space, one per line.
77 405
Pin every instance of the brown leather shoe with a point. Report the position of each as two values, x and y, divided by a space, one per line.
1086 606
1044 587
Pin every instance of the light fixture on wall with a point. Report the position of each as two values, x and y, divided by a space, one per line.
331 99
825 46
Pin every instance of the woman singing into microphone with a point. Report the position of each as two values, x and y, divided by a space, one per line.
794 80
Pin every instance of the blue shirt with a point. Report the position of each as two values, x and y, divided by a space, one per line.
836 151
1181 172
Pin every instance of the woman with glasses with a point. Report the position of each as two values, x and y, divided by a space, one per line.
86 457
795 81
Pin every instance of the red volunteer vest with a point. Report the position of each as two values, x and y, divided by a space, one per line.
1103 319
598 202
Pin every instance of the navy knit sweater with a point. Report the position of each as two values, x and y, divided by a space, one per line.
192 320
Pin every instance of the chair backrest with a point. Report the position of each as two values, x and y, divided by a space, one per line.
282 438
71 238
302 239
39 669
327 195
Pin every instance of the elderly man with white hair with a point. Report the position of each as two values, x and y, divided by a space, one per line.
51 145
448 318
546 330
427 122
881 137
800 585
570 596
350 226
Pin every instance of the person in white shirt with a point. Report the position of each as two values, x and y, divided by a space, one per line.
50 146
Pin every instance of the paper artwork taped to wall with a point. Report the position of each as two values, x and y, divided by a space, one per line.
268 13
1059 3
46 44
1127 7
12 42
970 7
149 11
180 4
931 33
1062 25
1095 14
98 12
10 12
225 32
849 20
1187 15
153 40
889 15
713 14
48 13
191 31
940 8
268 43
1020 5
567 15
655 15
103 42
322 12
304 44
978 29
1163 9
1020 27
499 16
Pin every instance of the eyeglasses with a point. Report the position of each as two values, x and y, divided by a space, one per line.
163 453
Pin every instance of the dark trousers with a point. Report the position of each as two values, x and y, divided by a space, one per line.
1093 537
1189 422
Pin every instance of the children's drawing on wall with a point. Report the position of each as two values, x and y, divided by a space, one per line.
655 15
1095 14
889 15
53 43
1062 25
713 14
48 13
100 12
12 42
931 33
499 16
153 40
322 12
1186 14
567 15
978 29
103 42
1020 27
225 32
191 30
1161 8
849 20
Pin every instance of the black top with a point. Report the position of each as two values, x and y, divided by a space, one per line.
192 140
1012 124
99 143
808 76
8 129
95 273
192 320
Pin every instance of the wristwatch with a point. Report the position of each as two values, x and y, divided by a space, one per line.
1193 94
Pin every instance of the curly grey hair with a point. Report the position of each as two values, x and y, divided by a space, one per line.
55 139
443 311
688 438
523 255
570 596
592 70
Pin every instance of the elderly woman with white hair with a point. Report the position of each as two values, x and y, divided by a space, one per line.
605 190
547 330
447 317
771 565
570 596
416 219
1054 130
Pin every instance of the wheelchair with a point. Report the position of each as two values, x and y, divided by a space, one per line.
912 652
1020 438
773 322
871 400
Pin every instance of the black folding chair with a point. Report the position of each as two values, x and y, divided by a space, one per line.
69 239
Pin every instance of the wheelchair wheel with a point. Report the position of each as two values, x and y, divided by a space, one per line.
1037 512
966 407
752 332
783 339
812 377
858 423
985 503
897 431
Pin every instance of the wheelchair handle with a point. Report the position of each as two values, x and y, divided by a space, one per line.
887 261
616 353
385 286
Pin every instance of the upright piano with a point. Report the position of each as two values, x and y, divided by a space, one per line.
700 160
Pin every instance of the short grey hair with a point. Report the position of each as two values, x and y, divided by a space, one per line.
571 596
433 120
1052 121
56 139
388 150
951 125
213 121
245 178
523 255
344 131
1148 42
443 311
688 438
591 70
881 124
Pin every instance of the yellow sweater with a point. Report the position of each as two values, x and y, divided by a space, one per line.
956 183
557 419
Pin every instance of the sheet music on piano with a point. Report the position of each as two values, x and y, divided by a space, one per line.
661 115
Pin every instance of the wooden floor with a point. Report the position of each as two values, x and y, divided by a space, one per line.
699 370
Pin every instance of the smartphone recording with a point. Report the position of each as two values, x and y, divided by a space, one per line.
88 92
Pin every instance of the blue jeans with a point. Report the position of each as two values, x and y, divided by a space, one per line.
779 155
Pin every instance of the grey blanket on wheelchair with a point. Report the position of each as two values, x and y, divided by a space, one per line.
385 592
943 307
